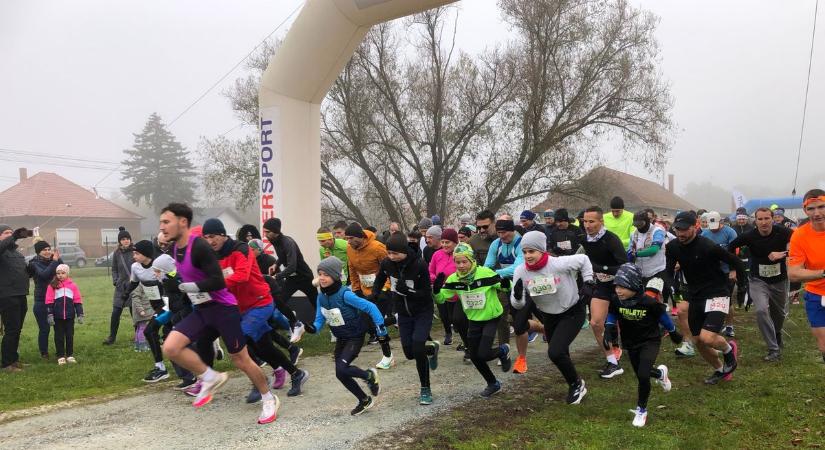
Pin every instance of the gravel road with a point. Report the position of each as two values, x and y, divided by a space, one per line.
319 419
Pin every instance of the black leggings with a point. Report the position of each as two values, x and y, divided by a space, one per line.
480 337
382 304
521 317
413 331
561 330
503 330
152 334
64 337
445 313
292 285
264 350
458 319
642 358
346 350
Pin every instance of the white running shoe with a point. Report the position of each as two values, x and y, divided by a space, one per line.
71 360
386 362
297 333
208 389
332 338
665 380
686 350
640 417
269 410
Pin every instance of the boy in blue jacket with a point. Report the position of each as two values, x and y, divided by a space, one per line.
339 307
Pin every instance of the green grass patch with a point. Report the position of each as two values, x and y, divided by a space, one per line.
765 406
101 370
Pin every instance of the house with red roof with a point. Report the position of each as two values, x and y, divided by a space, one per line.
65 214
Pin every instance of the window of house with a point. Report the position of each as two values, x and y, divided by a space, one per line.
67 236
108 236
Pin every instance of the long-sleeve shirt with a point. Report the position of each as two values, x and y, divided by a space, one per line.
553 288
505 257
342 310
205 259
478 296
760 247
412 271
338 250
290 256
699 263
243 276
606 255
621 226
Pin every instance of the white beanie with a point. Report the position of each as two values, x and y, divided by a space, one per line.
164 263
535 240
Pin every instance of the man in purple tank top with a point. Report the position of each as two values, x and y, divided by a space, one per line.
215 313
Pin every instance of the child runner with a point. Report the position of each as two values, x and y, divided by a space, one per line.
450 311
176 307
637 312
548 284
63 304
410 287
343 310
477 288
144 277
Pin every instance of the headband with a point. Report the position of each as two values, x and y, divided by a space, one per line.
807 202
324 236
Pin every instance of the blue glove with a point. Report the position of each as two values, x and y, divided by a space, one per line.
381 330
163 318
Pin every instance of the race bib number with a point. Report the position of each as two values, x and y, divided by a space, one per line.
367 280
769 270
333 316
565 245
473 300
228 272
151 292
718 304
199 297
542 286
604 277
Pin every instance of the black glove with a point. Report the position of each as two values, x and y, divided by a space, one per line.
587 290
310 328
518 290
610 335
402 288
506 283
439 283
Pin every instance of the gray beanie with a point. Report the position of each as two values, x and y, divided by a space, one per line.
4 227
331 266
434 231
425 223
465 218
535 240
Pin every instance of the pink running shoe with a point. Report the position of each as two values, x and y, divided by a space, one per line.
278 378
208 388
193 390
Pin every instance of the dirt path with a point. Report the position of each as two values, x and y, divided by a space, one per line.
319 419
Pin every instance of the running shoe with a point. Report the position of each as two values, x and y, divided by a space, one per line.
295 353
586 324
372 382
686 350
731 360
521 364
504 359
332 338
664 380
576 393
610 370
532 336
269 410
61 361
254 396
434 357
372 340
772 356
386 362
460 348
208 389
491 389
194 389
640 418
155 375
184 384
278 378
715 378
728 331
426 396
109 341
69 360
467 359
448 339
363 405
297 332
298 380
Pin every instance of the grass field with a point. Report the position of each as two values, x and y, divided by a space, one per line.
101 370
766 406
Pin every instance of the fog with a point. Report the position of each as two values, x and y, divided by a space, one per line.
79 78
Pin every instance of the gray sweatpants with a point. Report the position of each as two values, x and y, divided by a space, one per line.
771 303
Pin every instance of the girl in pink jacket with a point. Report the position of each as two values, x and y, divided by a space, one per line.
64 305
451 313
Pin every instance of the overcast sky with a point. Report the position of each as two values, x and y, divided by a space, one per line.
78 78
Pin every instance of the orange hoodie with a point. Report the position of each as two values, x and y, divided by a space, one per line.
363 263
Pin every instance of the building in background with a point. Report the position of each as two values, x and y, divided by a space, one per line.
232 220
66 215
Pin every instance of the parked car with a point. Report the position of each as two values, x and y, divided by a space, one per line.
105 261
71 255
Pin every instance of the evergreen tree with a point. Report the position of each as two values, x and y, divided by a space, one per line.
158 168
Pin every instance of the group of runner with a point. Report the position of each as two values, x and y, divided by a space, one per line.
486 280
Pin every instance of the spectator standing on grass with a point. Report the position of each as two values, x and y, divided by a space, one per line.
121 275
14 286
64 306
42 269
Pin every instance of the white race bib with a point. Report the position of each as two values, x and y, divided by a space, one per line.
367 280
228 272
542 286
151 292
165 303
473 300
333 316
394 283
604 277
718 304
769 270
565 245
199 297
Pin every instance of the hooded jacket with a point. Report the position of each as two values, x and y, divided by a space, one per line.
364 263
14 280
243 276
413 272
43 272
338 250
64 301
290 256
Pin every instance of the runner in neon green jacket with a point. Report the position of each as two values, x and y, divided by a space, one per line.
330 246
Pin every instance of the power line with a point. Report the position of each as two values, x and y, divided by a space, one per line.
805 104
50 163
220 80
46 155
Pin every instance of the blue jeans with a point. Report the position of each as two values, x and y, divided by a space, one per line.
41 314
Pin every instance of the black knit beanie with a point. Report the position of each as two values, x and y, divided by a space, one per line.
398 243
122 233
39 246
354 230
145 248
273 225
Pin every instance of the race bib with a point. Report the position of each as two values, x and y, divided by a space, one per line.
151 292
565 245
542 286
718 304
333 316
769 270
228 272
165 303
604 277
394 283
199 297
367 280
473 300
